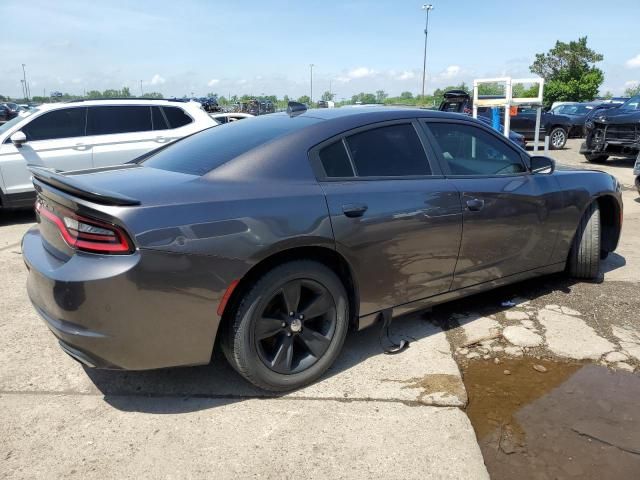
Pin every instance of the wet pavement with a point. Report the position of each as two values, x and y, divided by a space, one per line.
543 419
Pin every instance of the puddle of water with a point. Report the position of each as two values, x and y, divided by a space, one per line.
570 421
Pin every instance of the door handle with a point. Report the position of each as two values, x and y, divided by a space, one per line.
353 210
475 204
162 139
81 146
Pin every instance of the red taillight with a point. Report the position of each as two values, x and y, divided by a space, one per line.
87 234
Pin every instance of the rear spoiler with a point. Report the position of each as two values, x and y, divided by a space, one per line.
79 189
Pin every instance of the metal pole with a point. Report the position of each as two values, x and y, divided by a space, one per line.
24 76
428 8
141 93
311 65
536 138
24 93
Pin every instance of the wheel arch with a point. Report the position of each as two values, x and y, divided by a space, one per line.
321 254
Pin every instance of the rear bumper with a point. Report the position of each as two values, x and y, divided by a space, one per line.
134 312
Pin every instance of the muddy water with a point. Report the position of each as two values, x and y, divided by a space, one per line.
569 420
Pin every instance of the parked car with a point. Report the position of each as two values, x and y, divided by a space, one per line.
275 235
615 131
85 134
5 114
577 113
558 127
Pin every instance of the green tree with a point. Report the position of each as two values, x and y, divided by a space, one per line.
569 72
304 99
406 95
153 95
607 94
381 96
632 91
328 96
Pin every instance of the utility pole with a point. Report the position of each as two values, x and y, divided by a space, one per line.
24 93
26 85
427 7
330 80
311 65
141 92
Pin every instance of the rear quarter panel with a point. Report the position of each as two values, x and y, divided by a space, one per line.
579 188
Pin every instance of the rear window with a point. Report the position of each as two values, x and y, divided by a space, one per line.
176 116
207 150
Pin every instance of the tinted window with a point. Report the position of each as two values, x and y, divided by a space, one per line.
176 116
470 150
118 119
64 123
204 151
391 151
335 160
157 119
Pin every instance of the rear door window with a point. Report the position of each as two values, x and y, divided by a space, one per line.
109 120
177 117
63 123
389 151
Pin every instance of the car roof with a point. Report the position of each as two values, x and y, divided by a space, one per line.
106 102
371 114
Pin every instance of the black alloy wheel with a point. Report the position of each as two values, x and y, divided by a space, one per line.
296 326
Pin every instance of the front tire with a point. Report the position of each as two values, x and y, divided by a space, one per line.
596 157
289 327
584 257
557 138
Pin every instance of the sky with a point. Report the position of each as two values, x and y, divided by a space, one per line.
177 47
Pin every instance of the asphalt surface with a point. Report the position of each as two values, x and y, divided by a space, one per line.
373 415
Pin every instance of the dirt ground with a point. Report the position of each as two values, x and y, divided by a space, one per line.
444 408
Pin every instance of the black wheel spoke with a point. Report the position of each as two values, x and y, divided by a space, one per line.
268 327
318 306
315 342
291 294
284 355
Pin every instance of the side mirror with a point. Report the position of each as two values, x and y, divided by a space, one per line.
18 139
540 164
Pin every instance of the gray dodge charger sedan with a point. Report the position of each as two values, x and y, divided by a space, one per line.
273 236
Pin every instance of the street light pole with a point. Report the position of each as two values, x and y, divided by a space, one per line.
26 85
311 65
24 93
427 7
141 92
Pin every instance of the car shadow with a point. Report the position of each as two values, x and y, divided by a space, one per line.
17 217
187 389
613 262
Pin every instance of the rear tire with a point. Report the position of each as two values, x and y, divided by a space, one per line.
584 257
558 138
596 157
262 327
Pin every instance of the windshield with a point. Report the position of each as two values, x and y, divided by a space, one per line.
632 104
204 151
5 127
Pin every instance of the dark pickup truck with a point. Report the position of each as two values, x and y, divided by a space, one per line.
615 131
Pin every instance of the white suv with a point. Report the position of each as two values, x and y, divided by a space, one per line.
87 134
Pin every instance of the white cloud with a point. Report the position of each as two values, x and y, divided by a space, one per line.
361 72
633 62
452 71
76 80
406 75
242 81
213 82
157 80
631 84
